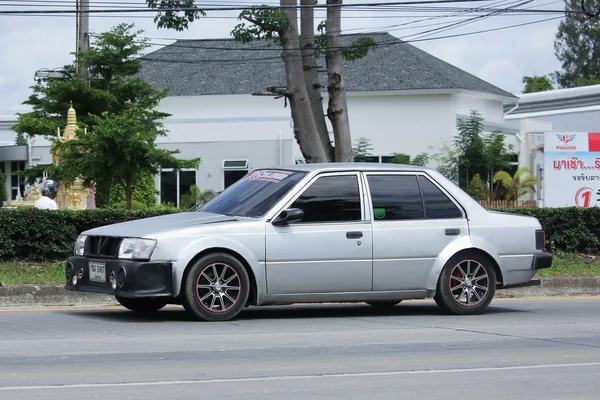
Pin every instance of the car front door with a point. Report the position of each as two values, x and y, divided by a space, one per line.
330 249
413 221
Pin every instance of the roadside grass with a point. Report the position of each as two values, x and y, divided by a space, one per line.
571 264
27 272
21 272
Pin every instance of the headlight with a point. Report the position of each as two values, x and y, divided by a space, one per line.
136 249
80 245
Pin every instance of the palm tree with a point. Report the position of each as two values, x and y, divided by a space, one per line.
517 185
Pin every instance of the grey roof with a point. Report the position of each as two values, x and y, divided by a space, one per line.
225 66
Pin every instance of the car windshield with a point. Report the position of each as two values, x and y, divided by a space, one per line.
254 194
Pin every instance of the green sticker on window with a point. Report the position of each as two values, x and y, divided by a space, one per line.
379 213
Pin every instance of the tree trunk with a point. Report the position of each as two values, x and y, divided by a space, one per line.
337 110
311 74
305 128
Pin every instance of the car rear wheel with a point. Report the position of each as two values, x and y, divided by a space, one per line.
141 305
216 288
467 284
383 304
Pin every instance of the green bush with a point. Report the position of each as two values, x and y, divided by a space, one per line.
3 194
50 234
570 229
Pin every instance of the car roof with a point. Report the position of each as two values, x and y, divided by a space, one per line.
352 166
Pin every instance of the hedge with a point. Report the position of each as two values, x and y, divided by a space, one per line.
50 234
41 234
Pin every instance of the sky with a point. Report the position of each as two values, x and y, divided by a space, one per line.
502 57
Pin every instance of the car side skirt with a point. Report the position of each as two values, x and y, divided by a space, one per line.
350 297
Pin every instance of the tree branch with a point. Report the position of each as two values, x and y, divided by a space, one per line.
256 22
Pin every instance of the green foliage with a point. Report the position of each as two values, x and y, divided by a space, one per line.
143 195
50 234
114 54
113 59
172 18
537 84
358 50
362 149
118 146
21 140
469 143
265 24
420 159
477 189
400 158
195 197
474 153
3 193
447 159
121 150
592 80
517 185
576 45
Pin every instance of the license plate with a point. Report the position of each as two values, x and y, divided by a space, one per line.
97 272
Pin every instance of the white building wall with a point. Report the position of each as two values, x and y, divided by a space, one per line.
408 124
490 110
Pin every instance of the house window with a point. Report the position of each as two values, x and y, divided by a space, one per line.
233 171
175 184
17 182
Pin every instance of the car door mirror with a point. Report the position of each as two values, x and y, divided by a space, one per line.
289 215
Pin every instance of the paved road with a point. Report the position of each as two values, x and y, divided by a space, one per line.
519 349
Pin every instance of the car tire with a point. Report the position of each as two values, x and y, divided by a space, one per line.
466 285
141 305
211 299
383 304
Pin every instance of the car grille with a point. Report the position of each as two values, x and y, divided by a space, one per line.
102 246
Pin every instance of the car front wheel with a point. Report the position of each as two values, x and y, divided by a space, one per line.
141 305
467 284
216 288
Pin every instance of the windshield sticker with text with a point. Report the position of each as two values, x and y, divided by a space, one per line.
273 176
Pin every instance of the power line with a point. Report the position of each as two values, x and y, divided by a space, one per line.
278 60
368 6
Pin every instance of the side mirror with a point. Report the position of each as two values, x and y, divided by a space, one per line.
289 215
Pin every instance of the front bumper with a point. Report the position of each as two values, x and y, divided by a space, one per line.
542 260
135 279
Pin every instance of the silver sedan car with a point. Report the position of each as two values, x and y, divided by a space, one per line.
374 233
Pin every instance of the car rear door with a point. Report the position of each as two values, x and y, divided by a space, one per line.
413 221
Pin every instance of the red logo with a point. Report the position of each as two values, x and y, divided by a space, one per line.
583 197
566 139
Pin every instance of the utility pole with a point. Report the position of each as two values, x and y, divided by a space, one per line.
83 37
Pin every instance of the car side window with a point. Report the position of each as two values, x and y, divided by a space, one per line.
395 197
437 204
331 199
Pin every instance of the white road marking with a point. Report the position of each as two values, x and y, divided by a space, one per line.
301 377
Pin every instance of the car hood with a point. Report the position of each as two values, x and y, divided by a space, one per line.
148 226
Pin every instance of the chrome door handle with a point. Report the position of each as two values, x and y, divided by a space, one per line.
354 235
452 232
